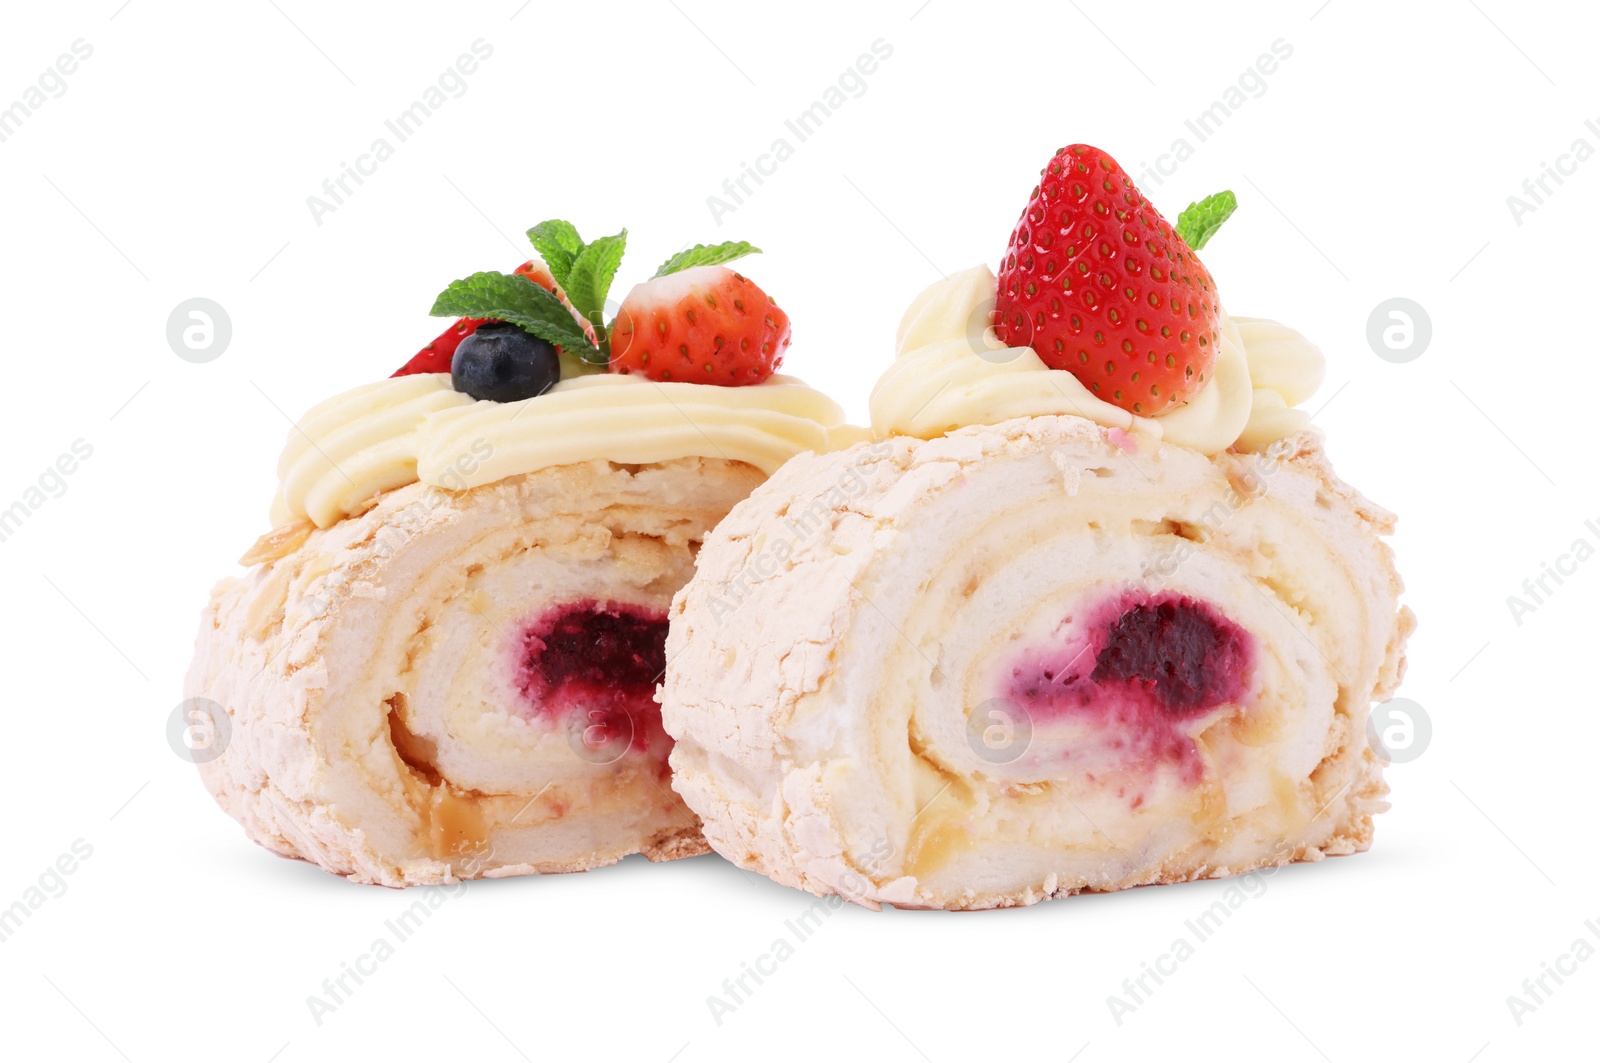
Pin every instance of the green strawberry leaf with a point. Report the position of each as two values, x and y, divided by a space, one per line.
520 302
1200 221
558 243
591 275
707 255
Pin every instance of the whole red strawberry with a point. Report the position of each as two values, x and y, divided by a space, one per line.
703 325
1098 283
437 355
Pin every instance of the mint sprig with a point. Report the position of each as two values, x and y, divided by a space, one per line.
593 270
558 244
520 302
706 255
1200 221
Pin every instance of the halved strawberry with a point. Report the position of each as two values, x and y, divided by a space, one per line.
436 356
703 325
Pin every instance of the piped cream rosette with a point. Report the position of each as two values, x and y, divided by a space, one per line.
442 663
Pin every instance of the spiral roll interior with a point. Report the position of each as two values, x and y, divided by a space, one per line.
948 722
412 692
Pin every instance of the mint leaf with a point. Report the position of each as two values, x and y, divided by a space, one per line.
592 273
562 234
558 243
520 302
707 255
1200 221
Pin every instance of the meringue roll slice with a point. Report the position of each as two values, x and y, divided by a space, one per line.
1024 660
442 664
1029 643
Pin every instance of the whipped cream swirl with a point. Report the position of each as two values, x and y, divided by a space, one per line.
394 432
951 370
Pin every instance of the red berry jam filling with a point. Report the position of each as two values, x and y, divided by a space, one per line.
597 662
1180 652
1138 669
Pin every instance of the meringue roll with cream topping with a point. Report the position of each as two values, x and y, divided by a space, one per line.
441 663
1092 612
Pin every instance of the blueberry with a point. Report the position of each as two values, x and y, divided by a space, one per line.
502 363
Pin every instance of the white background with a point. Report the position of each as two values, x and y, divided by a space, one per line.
1376 163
